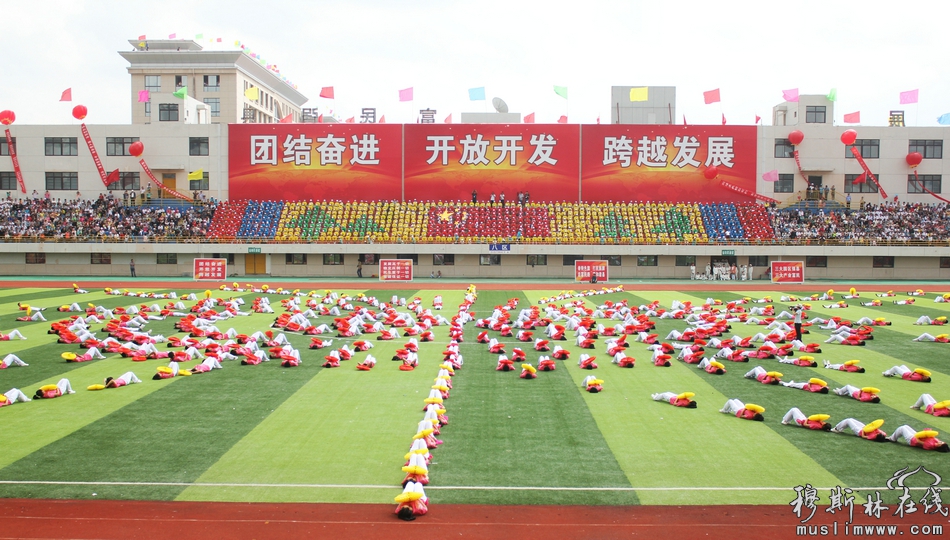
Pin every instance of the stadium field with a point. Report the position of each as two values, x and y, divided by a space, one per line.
309 434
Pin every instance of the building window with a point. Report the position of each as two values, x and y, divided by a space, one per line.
127 180
784 184
815 114
200 185
758 260
930 149
413 256
863 187
537 260
181 80
443 259
569 259
883 262
8 181
214 104
329 259
930 182
153 83
944 262
212 83
61 146
784 149
166 258
646 260
816 262
35 258
198 146
228 256
100 258
373 258
167 112
68 181
489 260
612 260
4 149
119 146
148 108
869 148
685 260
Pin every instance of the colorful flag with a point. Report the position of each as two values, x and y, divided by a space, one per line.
562 120
144 96
112 177
476 94
944 119
723 118
252 93
598 118
853 118
237 42
529 118
790 95
142 37
711 96
326 92
199 36
861 179
405 94
320 119
287 119
770 176
561 91
181 92
833 95
197 175
758 119
448 119
684 119
171 36
639 94
67 95
909 96
219 40
351 120
382 119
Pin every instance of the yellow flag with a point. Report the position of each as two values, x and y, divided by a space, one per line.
639 94
252 93
197 175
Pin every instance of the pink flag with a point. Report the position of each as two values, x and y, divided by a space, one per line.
790 95
909 96
287 119
171 36
448 119
723 118
861 179
529 118
320 119
142 37
598 119
67 95
326 92
853 118
382 119
351 120
144 96
684 119
562 120
711 96
770 176
219 40
405 95
758 119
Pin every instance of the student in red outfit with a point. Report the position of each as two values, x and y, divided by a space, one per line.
741 410
926 439
929 405
904 372
815 421
677 400
50 391
871 432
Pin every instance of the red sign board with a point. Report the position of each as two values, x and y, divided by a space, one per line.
788 272
395 269
211 269
299 162
584 270
627 162
448 161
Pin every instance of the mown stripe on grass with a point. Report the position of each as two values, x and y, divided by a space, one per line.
173 434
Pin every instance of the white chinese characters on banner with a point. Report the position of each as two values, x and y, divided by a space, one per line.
264 150
474 151
364 150
653 152
299 149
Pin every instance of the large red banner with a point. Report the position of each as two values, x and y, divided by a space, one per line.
211 269
624 162
788 271
16 162
585 270
95 155
294 162
395 269
449 161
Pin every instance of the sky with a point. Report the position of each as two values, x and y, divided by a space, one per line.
368 50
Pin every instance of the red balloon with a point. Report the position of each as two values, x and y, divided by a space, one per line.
848 137
711 172
136 148
7 117
914 159
796 137
79 112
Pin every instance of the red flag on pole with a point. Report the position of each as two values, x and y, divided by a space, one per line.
320 119
67 95
758 119
853 118
351 120
113 177
684 119
529 118
382 119
287 119
598 119
723 118
326 92
448 119
562 120
711 96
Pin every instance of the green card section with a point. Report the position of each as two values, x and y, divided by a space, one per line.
508 431
170 435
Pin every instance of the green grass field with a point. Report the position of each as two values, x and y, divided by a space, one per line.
309 434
